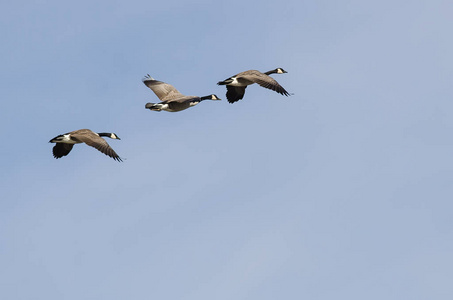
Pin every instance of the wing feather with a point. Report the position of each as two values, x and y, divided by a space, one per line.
94 140
265 81
61 149
235 93
163 91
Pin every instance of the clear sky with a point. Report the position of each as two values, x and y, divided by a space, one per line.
340 191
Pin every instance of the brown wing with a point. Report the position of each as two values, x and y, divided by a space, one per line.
265 81
94 140
272 85
163 91
61 149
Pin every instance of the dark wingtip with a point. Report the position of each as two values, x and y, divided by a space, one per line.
57 156
284 93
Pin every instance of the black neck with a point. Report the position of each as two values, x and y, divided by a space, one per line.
205 97
104 134
271 72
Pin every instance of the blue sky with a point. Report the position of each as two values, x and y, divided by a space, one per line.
341 191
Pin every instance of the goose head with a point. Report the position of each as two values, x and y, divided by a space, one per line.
279 71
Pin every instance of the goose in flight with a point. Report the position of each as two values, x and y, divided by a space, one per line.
65 142
237 84
171 99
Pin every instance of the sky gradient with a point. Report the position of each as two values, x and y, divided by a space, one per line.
341 191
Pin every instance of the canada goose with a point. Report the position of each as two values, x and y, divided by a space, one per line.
65 142
172 99
236 84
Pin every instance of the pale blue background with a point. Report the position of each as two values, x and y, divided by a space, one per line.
341 191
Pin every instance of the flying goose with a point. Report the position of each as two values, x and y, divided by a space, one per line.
172 99
65 142
236 84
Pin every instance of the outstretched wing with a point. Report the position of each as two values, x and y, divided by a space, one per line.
266 81
61 149
99 143
235 93
163 91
